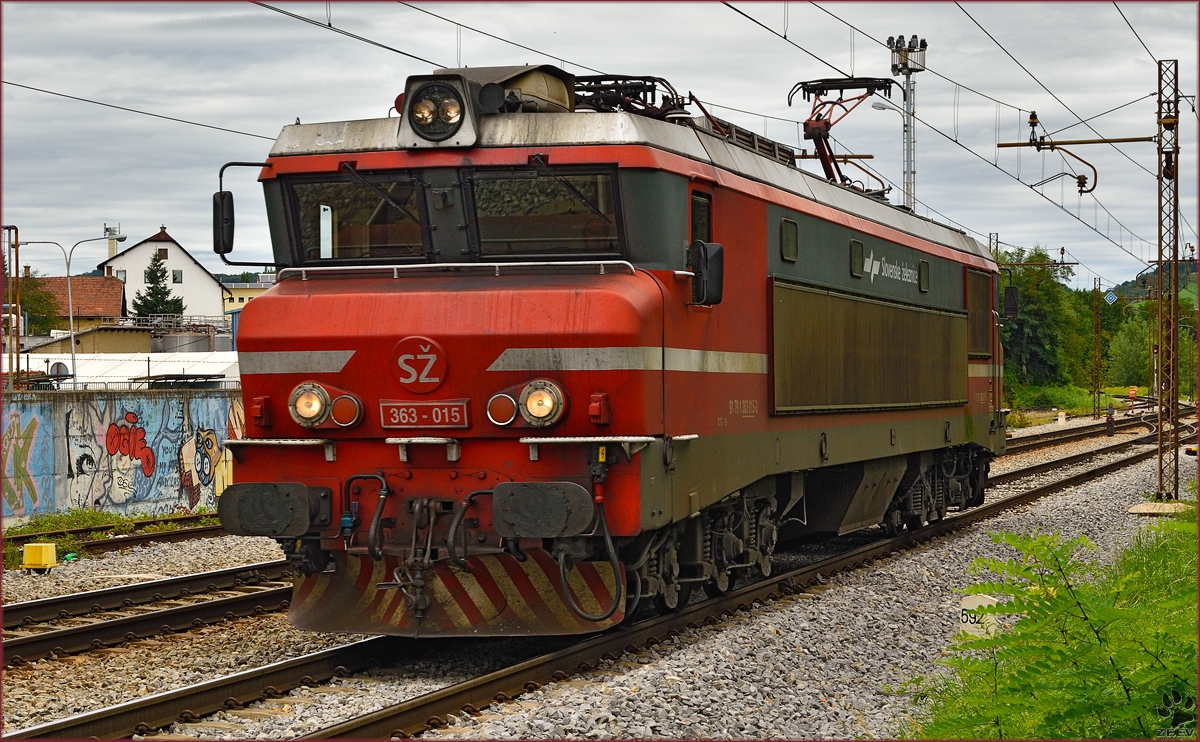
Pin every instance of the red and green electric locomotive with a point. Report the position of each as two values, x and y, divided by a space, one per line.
543 346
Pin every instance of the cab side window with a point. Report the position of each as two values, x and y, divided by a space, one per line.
701 217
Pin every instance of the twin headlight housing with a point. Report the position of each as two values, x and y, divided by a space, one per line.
311 405
443 110
541 403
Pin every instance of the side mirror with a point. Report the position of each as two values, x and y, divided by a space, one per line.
223 222
706 261
1010 302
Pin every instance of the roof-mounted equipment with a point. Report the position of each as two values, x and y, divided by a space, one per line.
443 109
826 113
639 95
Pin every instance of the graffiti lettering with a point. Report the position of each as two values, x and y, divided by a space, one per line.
130 440
16 447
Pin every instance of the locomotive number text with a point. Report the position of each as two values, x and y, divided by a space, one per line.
743 407
435 414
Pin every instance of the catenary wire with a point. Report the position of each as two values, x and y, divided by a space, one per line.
1000 102
926 68
1050 92
963 146
1111 110
498 38
1135 33
756 22
335 29
134 110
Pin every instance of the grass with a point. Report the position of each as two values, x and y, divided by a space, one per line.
106 523
1038 405
1105 652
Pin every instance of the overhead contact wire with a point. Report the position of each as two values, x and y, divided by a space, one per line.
343 32
134 110
963 146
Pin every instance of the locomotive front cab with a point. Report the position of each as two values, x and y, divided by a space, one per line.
454 391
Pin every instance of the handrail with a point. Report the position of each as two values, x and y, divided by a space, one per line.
495 268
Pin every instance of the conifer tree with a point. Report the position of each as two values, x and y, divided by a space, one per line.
156 298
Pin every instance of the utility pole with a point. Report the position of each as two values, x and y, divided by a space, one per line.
1096 359
1167 386
994 245
908 59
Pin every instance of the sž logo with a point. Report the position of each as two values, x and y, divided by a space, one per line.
419 364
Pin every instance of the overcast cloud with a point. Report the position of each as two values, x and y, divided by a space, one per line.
69 167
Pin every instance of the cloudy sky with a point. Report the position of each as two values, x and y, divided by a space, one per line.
69 167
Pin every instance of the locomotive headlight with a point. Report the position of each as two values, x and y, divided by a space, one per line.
309 405
542 403
423 112
450 111
436 112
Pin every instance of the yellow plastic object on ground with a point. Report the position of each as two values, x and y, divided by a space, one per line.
39 556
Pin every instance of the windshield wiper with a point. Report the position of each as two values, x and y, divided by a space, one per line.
537 160
384 194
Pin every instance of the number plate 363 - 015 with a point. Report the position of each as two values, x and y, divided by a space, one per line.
446 413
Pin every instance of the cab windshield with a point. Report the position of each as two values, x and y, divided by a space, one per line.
357 220
545 213
528 213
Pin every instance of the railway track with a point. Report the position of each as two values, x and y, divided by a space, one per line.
137 537
192 703
1027 443
81 621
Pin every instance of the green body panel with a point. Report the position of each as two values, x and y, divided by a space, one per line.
824 260
709 468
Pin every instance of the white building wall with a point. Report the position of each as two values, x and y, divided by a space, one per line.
201 292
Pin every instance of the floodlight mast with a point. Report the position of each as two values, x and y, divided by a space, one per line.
909 59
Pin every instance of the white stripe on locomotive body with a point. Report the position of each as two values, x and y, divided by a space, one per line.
293 361
564 129
633 358
984 369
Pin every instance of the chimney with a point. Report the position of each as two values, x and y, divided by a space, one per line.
27 274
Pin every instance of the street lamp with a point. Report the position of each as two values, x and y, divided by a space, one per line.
909 192
70 304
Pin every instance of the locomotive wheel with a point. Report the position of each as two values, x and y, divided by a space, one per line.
720 584
673 600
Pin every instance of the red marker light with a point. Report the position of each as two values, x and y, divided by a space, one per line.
400 103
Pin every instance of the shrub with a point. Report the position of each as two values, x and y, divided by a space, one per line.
1084 658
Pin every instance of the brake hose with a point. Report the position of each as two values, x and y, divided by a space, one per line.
454 524
375 534
616 568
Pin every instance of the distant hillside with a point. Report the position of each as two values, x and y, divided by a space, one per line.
1133 291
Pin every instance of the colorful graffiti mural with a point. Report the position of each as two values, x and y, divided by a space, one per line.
134 452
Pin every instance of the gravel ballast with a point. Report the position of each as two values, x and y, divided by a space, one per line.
139 564
817 665
810 667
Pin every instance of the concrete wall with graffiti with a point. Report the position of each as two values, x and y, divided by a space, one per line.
133 452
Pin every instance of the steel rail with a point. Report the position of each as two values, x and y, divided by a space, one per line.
1045 466
118 627
143 715
424 712
26 538
76 604
1043 440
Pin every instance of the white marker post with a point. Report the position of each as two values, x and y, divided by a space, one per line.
973 622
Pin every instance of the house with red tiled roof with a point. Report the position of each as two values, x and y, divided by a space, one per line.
96 300
202 293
